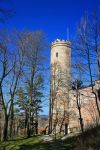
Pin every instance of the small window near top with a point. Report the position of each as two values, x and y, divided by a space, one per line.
57 54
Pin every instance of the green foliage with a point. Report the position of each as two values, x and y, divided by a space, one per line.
22 99
20 143
23 95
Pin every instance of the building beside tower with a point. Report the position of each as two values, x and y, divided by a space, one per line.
63 112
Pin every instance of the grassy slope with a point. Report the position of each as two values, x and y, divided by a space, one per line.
21 144
35 143
90 140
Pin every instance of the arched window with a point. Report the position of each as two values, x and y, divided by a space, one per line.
56 54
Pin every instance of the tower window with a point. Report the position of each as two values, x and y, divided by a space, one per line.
57 54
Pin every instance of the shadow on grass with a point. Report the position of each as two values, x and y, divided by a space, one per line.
23 138
36 143
15 144
17 139
54 145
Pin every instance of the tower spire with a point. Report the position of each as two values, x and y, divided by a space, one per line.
68 33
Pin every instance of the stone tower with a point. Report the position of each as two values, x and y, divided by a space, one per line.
59 86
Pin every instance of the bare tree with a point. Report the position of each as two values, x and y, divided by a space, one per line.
14 60
17 72
76 85
5 71
87 51
34 47
21 63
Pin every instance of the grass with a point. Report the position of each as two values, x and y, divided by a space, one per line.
21 144
35 143
90 139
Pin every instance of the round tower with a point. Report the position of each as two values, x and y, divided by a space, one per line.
59 85
61 54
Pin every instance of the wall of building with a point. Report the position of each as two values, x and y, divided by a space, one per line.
88 108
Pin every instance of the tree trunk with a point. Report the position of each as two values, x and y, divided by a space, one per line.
79 110
97 105
5 130
36 127
62 124
28 130
90 72
81 120
14 127
66 128
0 128
50 116
11 120
26 121
28 126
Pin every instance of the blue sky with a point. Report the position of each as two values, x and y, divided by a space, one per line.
51 16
